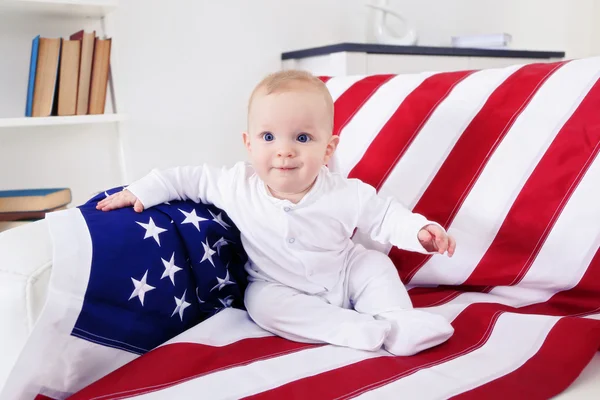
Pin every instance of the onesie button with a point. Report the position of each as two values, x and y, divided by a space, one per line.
291 240
286 209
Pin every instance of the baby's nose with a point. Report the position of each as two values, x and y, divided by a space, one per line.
285 152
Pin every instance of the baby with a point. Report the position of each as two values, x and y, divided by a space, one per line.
309 281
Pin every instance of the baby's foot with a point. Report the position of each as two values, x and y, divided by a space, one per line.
414 331
369 336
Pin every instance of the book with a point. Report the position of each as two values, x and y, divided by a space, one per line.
99 80
490 40
85 69
27 215
69 77
35 45
33 199
46 76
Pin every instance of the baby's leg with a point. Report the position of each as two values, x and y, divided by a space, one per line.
374 288
304 318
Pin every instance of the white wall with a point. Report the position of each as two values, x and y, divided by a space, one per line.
562 25
187 67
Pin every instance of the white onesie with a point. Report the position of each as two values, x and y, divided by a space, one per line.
308 281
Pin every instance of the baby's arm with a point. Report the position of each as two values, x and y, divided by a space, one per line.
387 221
199 183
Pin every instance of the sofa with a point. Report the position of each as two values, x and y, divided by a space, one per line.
505 159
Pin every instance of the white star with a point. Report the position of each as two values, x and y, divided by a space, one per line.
141 288
227 301
208 253
192 218
170 268
219 219
220 243
198 296
181 305
106 194
152 230
221 283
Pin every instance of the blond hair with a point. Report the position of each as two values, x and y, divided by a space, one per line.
291 80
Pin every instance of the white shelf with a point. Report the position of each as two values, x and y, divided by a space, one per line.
60 121
61 8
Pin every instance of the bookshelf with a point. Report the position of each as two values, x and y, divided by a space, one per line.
83 152
50 121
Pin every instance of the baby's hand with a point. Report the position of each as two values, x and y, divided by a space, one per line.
119 200
433 238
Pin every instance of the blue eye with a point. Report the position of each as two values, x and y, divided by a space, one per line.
268 137
303 138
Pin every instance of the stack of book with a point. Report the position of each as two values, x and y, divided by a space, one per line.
18 207
68 77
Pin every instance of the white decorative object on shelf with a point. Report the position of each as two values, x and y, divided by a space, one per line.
384 34
482 41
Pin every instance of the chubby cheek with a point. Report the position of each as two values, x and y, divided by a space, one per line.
313 165
261 159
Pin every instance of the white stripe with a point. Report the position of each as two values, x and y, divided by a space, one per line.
228 326
415 170
339 84
370 118
62 370
576 233
593 316
483 211
417 167
514 340
562 260
235 383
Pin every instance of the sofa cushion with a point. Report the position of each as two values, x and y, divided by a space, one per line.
24 273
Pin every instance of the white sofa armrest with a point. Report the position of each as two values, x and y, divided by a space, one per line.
25 264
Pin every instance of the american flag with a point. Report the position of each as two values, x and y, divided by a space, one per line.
507 161
124 283
161 268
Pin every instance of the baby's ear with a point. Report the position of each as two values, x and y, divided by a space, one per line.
246 139
331 146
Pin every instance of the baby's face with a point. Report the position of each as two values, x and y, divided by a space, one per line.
289 139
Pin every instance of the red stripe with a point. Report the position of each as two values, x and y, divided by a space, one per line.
554 179
401 129
185 361
581 298
529 220
353 99
542 377
435 296
451 185
179 362
324 79
471 332
473 329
